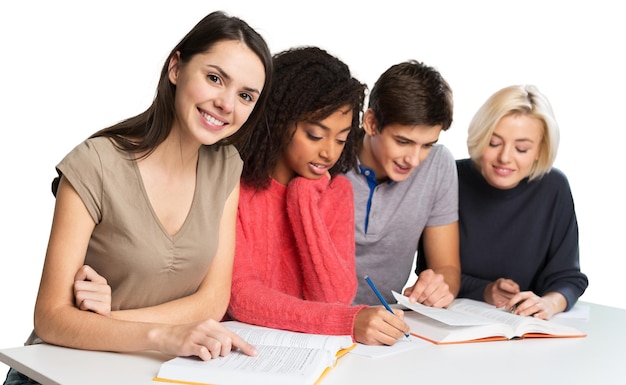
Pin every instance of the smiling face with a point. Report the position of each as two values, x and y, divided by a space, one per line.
513 148
395 152
314 147
216 91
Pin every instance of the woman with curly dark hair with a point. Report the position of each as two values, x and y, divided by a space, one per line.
294 259
312 86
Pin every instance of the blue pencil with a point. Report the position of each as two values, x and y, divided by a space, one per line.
380 297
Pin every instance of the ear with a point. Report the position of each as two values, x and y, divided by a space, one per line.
173 67
370 125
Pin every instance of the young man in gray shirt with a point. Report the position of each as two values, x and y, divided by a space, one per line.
406 189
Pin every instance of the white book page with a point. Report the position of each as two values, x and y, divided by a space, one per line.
275 365
521 324
442 315
265 336
475 308
292 339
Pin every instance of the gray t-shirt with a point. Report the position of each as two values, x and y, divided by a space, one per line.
398 214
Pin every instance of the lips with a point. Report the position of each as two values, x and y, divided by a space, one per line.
402 169
503 170
319 168
212 120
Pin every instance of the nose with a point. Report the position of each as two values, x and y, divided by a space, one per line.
504 155
412 158
225 101
330 151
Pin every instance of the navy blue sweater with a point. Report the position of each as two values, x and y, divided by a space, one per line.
528 234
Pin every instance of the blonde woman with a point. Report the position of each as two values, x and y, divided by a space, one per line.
518 227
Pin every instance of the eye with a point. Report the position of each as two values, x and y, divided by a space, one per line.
494 144
246 96
214 78
522 150
312 136
402 141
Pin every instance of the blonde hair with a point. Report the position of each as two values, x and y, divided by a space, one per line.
523 100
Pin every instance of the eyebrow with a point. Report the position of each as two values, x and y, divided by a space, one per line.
412 141
226 76
326 128
516 140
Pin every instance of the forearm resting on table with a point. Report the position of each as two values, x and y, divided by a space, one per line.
192 308
79 329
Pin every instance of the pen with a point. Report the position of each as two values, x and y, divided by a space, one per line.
380 297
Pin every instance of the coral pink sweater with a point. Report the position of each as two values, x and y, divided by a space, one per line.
294 263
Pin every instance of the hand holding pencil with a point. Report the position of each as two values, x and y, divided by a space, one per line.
378 325
380 297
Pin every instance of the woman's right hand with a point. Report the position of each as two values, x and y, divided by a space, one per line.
499 292
206 339
377 326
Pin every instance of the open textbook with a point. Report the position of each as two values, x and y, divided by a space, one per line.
467 320
285 357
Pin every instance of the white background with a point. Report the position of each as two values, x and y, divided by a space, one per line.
71 68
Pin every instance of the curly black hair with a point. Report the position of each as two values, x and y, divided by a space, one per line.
308 84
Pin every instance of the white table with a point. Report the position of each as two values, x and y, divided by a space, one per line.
599 358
